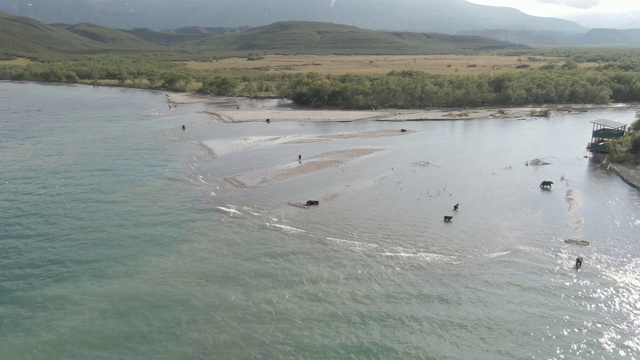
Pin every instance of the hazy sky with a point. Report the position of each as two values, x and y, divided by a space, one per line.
565 8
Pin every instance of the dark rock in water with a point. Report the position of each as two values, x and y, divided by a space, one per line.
577 242
537 162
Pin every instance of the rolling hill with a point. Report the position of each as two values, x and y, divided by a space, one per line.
22 36
593 37
445 16
325 38
25 37
166 22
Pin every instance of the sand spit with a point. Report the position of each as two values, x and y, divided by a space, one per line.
254 179
630 174
366 134
275 114
219 147
352 135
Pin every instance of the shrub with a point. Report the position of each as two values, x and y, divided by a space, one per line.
548 66
618 149
540 113
635 126
254 57
635 143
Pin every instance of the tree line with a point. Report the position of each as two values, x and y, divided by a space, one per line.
550 84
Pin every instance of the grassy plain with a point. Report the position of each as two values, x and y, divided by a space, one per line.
18 61
377 64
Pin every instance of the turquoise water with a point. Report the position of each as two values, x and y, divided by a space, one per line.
121 239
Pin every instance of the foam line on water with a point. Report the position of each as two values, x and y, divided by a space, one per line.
286 228
230 211
421 256
496 254
354 244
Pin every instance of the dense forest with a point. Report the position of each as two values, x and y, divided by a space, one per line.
610 80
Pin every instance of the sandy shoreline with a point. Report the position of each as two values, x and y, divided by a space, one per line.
294 169
316 115
630 174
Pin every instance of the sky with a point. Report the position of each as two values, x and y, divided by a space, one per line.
566 8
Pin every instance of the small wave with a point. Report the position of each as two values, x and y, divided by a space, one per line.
529 249
391 252
252 211
286 228
230 211
421 256
354 244
496 254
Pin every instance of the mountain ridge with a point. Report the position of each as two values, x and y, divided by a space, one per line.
26 37
446 16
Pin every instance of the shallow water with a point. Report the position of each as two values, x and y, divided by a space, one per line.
121 238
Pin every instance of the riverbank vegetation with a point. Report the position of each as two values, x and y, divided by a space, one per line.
554 80
627 148
320 65
325 65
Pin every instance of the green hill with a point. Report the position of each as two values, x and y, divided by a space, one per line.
297 37
21 36
108 36
167 38
447 16
25 37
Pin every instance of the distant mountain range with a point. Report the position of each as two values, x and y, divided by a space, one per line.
445 16
441 16
29 38
593 37
616 20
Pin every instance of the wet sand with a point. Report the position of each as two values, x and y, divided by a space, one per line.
254 179
629 173
316 115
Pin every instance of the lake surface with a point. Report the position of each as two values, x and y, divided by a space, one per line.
120 237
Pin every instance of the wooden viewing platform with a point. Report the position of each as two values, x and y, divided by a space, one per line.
604 130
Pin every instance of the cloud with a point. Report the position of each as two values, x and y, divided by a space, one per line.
580 4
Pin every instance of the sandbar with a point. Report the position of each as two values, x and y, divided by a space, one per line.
227 114
255 179
275 114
